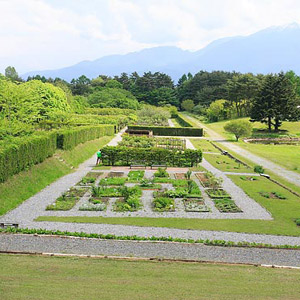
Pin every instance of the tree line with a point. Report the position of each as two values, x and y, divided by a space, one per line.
217 95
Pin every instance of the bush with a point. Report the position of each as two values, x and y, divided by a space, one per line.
169 131
259 169
70 138
161 173
125 156
24 153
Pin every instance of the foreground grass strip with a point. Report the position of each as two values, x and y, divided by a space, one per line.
22 186
207 242
47 278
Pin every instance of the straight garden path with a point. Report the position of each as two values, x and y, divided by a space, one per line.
145 249
286 174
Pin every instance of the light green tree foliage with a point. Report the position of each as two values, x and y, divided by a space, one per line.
25 104
113 97
239 128
152 115
216 110
187 105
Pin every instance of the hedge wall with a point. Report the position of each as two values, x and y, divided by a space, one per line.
126 156
69 138
182 122
170 131
18 156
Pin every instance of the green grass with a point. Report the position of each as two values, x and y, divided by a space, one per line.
27 183
226 164
35 277
287 156
204 145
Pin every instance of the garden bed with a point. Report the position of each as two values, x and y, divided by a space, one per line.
135 176
195 205
95 204
273 195
226 206
115 174
164 204
217 193
113 181
208 180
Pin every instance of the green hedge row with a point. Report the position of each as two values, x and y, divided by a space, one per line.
69 138
182 122
24 153
116 155
169 131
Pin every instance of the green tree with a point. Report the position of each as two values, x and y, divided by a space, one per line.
12 74
239 128
187 105
276 101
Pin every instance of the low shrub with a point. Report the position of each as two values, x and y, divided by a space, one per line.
161 173
113 181
135 176
93 206
259 169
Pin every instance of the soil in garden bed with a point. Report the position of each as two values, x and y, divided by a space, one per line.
115 174
94 174
179 176
203 180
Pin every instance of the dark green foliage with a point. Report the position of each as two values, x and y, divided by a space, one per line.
162 204
125 156
161 173
69 138
259 169
25 152
169 131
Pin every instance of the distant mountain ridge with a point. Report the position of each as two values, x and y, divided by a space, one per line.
270 50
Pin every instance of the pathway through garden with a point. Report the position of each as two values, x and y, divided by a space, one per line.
286 174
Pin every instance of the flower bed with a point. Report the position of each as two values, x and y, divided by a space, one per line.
130 200
226 206
273 195
103 191
195 205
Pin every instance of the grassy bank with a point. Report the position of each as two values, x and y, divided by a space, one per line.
35 277
27 183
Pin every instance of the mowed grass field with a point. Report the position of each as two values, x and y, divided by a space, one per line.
22 186
287 156
36 277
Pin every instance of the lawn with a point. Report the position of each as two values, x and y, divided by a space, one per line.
27 183
36 277
204 145
287 156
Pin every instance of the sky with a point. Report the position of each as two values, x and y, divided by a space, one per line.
51 34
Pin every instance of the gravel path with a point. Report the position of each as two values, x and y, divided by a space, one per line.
198 252
171 124
286 174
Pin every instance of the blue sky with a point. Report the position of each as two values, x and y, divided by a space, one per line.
50 34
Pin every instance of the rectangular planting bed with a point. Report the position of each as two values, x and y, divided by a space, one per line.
217 193
226 206
195 205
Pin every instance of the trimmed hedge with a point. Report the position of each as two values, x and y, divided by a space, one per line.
70 138
182 122
116 155
169 131
24 153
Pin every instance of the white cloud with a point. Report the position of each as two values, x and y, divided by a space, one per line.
48 34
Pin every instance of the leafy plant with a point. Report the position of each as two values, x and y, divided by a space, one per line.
162 204
100 206
259 169
161 173
226 206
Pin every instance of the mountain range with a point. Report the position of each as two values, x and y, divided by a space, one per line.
270 50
